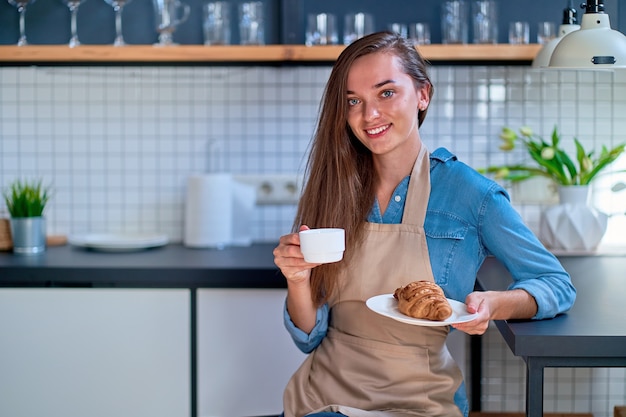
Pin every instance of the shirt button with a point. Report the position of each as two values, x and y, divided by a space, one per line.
397 198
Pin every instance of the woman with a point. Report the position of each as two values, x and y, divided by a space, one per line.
408 215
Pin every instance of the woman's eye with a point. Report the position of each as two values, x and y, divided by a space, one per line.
387 93
353 101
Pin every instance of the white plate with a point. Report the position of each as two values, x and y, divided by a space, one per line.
116 242
386 305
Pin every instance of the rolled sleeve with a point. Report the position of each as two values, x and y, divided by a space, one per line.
532 267
307 342
553 295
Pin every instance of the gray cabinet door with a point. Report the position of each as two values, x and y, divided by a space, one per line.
94 352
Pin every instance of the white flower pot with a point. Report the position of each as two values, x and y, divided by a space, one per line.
573 224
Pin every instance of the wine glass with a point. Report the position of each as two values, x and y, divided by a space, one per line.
169 14
73 6
118 6
21 8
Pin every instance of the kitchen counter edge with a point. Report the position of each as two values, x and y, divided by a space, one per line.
170 266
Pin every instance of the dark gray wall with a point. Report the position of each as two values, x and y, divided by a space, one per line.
407 11
48 21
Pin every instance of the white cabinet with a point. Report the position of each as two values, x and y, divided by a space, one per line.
126 352
94 352
245 356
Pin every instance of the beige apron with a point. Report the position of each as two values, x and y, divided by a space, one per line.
369 365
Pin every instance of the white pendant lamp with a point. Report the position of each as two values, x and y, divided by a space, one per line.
542 59
594 46
569 24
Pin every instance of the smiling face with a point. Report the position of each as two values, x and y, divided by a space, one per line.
383 103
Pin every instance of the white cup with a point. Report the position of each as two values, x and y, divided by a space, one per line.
324 245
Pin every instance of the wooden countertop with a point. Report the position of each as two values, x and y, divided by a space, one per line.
33 54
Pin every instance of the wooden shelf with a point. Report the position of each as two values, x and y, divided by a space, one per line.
33 54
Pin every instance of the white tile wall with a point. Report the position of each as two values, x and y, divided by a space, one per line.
118 143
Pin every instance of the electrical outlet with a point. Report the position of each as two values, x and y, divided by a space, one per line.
274 189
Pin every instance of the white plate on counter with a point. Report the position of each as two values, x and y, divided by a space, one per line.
387 306
118 242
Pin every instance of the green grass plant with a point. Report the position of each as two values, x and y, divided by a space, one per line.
26 198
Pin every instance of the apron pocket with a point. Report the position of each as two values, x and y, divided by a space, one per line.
374 375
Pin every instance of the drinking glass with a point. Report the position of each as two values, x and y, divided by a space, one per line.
217 23
545 32
169 14
399 28
21 8
321 29
357 25
419 33
519 33
454 21
485 19
118 6
73 6
251 25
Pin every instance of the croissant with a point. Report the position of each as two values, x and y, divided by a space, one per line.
423 300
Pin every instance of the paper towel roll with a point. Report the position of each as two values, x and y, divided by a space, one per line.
208 211
244 197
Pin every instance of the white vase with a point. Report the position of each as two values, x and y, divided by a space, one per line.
573 224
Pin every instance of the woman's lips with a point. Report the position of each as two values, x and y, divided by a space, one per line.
377 131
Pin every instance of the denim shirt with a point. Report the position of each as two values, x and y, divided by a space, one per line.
468 218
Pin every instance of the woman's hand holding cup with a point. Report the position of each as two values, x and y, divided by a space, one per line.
298 253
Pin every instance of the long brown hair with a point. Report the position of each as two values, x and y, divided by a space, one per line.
340 187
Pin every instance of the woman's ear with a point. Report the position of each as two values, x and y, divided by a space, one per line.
423 99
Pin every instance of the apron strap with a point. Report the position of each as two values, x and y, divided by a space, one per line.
419 190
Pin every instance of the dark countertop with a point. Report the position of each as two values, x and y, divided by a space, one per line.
171 266
593 328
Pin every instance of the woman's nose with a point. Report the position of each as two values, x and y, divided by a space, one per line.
370 111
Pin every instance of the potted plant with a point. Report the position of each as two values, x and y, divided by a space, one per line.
572 224
26 201
551 160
